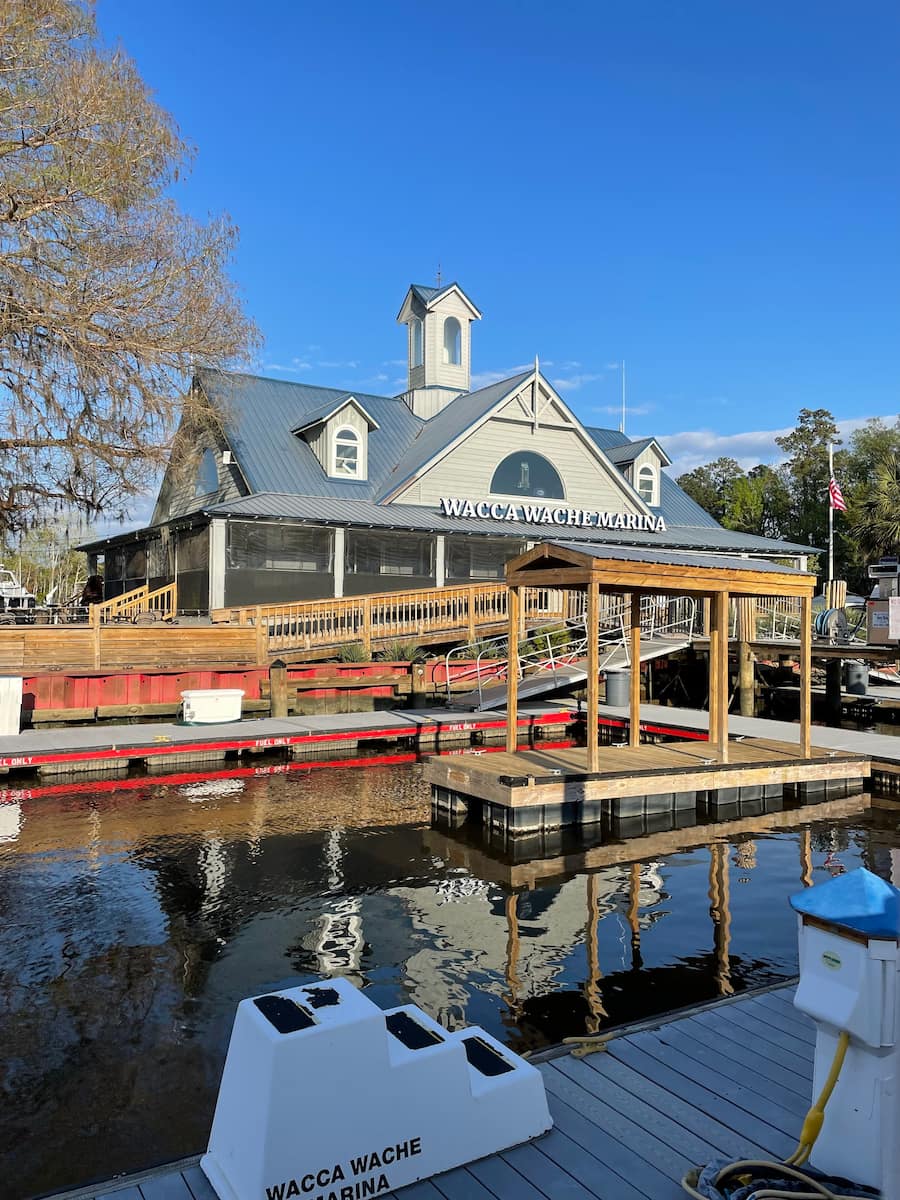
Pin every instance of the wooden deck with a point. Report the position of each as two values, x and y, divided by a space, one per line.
540 788
731 1078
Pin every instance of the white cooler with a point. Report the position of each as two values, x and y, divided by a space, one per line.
211 706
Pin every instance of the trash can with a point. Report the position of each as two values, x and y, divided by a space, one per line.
618 688
856 678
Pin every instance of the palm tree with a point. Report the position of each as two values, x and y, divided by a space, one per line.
875 513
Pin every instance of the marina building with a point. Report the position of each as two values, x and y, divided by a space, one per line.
290 491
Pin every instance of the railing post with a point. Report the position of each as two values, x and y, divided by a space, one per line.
95 640
262 636
367 625
470 600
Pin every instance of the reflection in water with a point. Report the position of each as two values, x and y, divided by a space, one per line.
134 921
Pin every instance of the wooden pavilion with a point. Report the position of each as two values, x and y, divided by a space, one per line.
578 786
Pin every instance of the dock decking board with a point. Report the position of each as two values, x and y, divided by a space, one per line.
628 1122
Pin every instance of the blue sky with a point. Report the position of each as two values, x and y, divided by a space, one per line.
710 191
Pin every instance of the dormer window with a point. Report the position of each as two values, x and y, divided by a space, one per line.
452 341
346 453
416 329
646 484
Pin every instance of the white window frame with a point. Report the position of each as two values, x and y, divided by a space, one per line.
417 349
356 440
453 362
648 472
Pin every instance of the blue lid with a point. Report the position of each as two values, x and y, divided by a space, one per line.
858 900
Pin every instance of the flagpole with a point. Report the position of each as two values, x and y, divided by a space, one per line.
830 512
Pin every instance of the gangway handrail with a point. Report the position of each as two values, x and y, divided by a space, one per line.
536 651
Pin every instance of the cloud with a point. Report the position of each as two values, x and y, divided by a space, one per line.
337 366
484 378
294 367
574 382
631 410
394 362
695 448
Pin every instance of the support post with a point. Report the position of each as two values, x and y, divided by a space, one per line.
746 614
712 672
512 670
721 604
278 705
634 654
366 625
805 675
593 675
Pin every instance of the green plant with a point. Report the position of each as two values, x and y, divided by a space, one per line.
352 652
400 650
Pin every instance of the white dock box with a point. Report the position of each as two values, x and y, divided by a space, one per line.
325 1094
10 703
212 706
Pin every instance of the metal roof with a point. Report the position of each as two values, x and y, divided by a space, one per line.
447 425
668 558
328 511
324 411
259 414
628 453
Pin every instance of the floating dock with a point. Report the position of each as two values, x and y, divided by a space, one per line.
730 1078
539 789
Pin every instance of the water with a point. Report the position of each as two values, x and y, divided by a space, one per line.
135 918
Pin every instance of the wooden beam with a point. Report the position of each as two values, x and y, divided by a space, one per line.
634 654
720 606
712 673
512 671
593 675
805 676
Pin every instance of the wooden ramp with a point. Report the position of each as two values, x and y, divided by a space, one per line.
731 1078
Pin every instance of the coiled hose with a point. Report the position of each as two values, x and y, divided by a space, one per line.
812 1127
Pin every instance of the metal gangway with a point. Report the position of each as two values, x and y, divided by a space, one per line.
553 657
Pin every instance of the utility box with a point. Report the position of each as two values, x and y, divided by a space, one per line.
849 932
883 621
10 704
209 707
323 1093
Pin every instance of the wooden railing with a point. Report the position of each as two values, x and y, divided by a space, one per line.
470 611
161 602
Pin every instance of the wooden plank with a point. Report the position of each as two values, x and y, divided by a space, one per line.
165 1187
747 1092
594 1174
504 1181
459 1184
794 1054
804 1030
547 1175
631 1169
782 1004
747 1125
128 1193
659 1100
200 1187
715 1044
664 1160
641 1118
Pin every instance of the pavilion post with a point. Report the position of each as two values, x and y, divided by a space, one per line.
593 674
805 675
712 671
634 654
720 615
512 671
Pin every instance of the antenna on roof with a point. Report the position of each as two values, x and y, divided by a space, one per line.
439 273
622 424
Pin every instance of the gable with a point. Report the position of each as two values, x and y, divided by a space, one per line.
533 419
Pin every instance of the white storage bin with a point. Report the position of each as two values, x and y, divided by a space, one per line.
208 707
10 703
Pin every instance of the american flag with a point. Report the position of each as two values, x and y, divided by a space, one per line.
835 496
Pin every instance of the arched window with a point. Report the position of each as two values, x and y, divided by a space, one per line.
646 483
452 341
416 326
346 452
527 474
207 474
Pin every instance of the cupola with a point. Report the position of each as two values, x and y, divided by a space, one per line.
438 320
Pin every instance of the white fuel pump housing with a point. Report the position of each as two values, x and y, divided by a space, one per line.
849 932
326 1097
